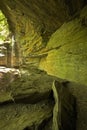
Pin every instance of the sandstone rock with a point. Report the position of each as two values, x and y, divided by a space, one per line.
29 102
30 86
64 111
24 116
62 54
67 52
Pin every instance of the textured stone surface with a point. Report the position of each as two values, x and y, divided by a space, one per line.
28 101
30 86
63 54
80 93
34 21
20 116
67 52
64 111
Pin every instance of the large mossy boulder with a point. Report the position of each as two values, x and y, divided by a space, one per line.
30 102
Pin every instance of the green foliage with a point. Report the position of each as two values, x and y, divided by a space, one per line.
4 31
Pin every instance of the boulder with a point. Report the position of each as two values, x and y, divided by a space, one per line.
64 111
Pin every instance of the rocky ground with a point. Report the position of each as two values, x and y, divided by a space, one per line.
80 93
30 99
33 101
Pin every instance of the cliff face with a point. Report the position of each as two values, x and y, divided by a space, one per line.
33 23
52 35
66 51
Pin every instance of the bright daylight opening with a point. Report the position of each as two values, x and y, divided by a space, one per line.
4 33
6 40
4 30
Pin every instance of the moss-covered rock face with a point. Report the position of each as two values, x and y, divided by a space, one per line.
28 102
67 51
23 116
33 21
52 35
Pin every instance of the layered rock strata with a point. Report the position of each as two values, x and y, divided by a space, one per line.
28 103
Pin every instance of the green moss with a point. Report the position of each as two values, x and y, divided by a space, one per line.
32 82
20 116
5 96
68 56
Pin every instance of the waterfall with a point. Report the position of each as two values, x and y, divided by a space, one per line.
12 51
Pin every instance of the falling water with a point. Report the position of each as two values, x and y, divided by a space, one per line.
12 52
